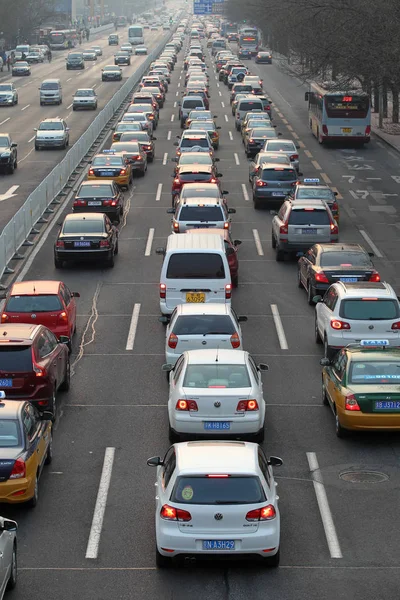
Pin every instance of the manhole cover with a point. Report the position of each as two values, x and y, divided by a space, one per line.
363 476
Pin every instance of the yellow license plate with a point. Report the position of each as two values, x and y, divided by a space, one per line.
195 297
347 130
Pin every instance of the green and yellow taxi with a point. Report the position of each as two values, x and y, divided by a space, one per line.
25 447
210 127
361 384
111 165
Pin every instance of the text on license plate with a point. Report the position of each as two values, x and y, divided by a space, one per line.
387 405
195 297
278 194
94 203
106 173
217 425
5 383
346 130
309 231
218 544
348 279
82 244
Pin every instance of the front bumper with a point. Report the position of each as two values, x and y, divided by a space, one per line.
84 105
49 143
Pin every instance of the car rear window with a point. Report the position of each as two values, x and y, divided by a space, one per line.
10 433
345 259
217 376
188 103
96 191
15 358
195 266
249 106
33 304
193 177
204 325
309 217
373 372
205 192
84 226
234 489
190 143
281 146
317 193
201 213
369 309
279 175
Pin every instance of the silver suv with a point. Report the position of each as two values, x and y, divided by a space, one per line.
52 133
357 313
192 213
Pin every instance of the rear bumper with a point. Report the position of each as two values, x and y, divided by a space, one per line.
346 138
79 255
111 211
182 424
338 340
366 421
15 491
300 246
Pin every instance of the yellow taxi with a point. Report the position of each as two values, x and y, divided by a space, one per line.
361 384
111 165
26 445
210 127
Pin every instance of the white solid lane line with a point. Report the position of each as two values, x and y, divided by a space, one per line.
279 327
68 107
159 190
164 162
147 251
230 136
133 326
25 107
371 244
245 193
5 121
101 503
237 161
257 242
323 505
31 140
172 118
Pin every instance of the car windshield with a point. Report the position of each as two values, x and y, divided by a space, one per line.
83 226
202 158
308 217
51 126
15 358
21 64
279 174
233 489
281 146
108 161
204 325
75 55
201 214
10 433
195 266
369 309
4 142
33 304
6 87
140 136
320 193
96 191
386 372
211 191
217 375
49 86
84 93
191 142
345 259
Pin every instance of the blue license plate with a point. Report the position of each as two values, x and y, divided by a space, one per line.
309 231
217 425
82 244
106 173
349 279
6 383
278 193
387 405
218 544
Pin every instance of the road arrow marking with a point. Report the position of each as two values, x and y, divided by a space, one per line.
10 193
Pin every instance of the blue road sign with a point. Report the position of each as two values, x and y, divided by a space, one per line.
202 7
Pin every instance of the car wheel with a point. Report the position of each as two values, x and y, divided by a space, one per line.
12 582
16 164
339 430
273 241
66 384
328 350
162 562
116 250
11 169
49 453
316 332
235 281
272 561
110 262
58 263
34 500
256 203
172 435
280 255
299 282
259 437
324 396
310 293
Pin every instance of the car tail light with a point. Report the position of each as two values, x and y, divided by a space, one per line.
63 316
283 229
186 405
324 129
104 244
374 276
122 172
294 157
261 183
176 227
170 513
235 340
79 202
396 325
251 141
266 513
247 406
336 324
213 180
321 278
172 341
228 291
151 117
226 225
267 107
335 207
351 402
368 130
60 244
163 290
19 469
38 370
4 318
91 172
176 183
334 229
147 147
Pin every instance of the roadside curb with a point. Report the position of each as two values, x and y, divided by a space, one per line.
383 138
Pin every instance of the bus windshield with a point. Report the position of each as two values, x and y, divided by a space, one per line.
339 106
135 32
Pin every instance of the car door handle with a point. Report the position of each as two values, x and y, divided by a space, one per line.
1 554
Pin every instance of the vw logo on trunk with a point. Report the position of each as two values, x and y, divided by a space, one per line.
370 326
217 404
218 517
33 316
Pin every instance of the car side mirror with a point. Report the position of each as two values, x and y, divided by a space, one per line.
231 211
35 129
371 254
325 362
218 127
75 294
160 251
297 146
153 138
155 461
300 174
14 145
164 319
317 299
273 213
63 339
225 193
176 143
262 367
167 367
8 525
219 175
242 319
46 415
170 211
279 134
215 116
217 159
275 461
334 193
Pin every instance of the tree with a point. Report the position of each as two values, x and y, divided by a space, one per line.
25 17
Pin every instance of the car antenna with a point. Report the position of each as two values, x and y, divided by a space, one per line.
216 358
34 289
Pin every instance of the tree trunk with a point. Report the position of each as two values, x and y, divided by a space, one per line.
395 111
334 71
376 97
385 100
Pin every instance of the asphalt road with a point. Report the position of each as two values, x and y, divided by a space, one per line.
20 120
118 397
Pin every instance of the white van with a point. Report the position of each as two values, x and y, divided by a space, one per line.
195 269
244 106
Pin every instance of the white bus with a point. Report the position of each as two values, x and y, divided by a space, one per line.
135 34
338 116
63 39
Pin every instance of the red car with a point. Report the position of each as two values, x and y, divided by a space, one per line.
48 303
193 174
231 248
34 365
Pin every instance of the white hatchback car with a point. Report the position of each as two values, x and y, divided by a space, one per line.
354 313
216 393
201 327
216 498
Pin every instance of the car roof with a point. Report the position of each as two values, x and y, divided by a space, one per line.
212 308
341 246
190 168
91 216
301 204
197 242
366 289
216 355
201 202
194 133
216 457
281 167
92 182
10 409
281 140
25 288
23 332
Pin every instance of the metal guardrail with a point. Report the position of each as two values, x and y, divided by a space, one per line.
22 225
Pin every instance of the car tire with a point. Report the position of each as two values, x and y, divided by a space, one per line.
49 453
339 430
58 263
35 498
235 281
310 293
280 255
256 203
110 262
11 169
66 384
316 334
259 437
116 250
272 561
12 581
273 241
324 396
299 282
74 108
328 350
172 435
163 562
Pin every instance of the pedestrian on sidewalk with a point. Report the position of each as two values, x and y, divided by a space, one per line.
87 34
8 63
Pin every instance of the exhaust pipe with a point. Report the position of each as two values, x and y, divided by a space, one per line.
189 561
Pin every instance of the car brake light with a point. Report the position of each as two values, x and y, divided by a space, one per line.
396 325
172 341
63 316
335 207
251 140
122 172
261 183
176 227
104 244
91 172
4 318
247 406
321 278
169 513
267 107
324 129
18 470
351 402
294 157
368 130
336 324
163 290
79 202
266 513
375 276
235 340
283 229
228 291
59 244
334 229
39 371
186 405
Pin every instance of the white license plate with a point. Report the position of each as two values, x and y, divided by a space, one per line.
94 203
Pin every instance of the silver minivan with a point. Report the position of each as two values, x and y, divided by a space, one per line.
50 92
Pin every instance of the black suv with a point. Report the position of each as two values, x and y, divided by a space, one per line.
75 61
8 153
